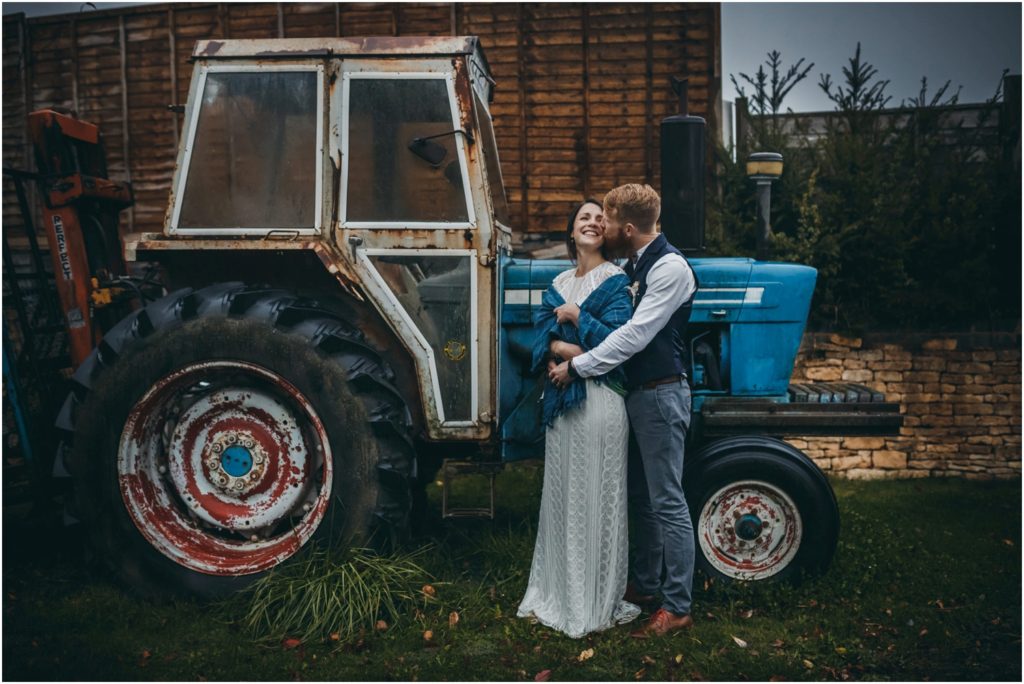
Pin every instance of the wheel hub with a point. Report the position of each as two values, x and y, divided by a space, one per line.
749 530
236 462
748 527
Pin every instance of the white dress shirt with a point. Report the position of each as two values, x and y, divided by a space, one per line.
670 282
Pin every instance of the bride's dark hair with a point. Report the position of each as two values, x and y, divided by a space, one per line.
570 244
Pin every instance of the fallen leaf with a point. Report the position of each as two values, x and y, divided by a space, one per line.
840 650
888 611
639 674
739 642
924 630
1008 542
585 655
939 603
429 590
776 678
997 621
428 635
678 658
289 644
453 618
536 649
778 643
648 660
146 654
709 616
335 636
747 614
380 626
542 676
808 664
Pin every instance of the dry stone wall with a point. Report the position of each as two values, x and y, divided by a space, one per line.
960 396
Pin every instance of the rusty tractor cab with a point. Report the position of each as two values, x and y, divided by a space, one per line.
344 308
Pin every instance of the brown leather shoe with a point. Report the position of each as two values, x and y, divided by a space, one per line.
662 623
634 596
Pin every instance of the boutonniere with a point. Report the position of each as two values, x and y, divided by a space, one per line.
633 290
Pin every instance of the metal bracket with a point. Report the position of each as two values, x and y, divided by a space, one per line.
450 469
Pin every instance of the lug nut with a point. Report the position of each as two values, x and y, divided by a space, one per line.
216 448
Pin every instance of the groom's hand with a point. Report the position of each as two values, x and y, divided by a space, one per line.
568 313
559 375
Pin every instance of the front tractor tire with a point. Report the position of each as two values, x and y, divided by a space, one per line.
761 511
219 431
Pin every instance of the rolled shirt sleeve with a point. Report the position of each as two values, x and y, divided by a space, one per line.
670 282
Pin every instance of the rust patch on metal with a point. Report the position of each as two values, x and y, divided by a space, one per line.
463 93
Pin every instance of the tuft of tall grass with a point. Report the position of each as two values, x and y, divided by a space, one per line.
325 593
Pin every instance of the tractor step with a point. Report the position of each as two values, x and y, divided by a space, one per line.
450 469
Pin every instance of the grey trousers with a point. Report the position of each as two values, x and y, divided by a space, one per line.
663 551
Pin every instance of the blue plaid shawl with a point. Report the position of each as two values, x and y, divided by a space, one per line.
604 310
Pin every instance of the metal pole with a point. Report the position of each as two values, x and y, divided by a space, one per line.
764 225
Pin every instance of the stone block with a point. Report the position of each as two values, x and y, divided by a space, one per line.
939 345
849 342
921 376
892 365
986 355
825 374
857 375
912 474
854 443
888 376
848 462
971 367
929 363
897 354
1008 354
854 364
889 459
871 355
923 465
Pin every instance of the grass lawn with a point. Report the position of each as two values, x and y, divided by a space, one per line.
926 584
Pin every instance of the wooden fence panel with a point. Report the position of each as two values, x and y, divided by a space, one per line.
581 87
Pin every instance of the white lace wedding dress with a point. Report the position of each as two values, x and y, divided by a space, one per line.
580 560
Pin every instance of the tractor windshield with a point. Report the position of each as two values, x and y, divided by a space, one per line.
253 159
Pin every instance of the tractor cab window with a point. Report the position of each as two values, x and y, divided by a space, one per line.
404 164
490 150
253 160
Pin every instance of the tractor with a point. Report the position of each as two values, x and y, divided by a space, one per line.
342 316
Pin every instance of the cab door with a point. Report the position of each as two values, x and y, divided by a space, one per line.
414 221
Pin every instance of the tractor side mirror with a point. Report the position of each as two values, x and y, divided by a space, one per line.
429 151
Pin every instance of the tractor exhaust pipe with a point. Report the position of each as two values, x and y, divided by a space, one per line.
682 175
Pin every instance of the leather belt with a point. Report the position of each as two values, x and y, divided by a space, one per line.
663 381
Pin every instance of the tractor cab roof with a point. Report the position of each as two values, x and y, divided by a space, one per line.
348 48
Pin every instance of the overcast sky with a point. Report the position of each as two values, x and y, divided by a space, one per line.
967 43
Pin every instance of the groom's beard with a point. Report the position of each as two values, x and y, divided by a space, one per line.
617 247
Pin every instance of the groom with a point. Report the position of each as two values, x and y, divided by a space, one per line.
650 346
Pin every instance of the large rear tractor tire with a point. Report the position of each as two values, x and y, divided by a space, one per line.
761 510
219 431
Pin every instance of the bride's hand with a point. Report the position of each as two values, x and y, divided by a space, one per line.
568 313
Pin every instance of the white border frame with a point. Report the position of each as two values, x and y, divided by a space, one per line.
190 142
460 147
408 330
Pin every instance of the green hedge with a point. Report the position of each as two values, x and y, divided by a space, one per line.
909 226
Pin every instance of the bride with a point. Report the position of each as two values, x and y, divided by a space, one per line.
578 574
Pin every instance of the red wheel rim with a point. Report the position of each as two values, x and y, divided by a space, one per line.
225 468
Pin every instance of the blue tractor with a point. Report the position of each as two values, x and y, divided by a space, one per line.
342 316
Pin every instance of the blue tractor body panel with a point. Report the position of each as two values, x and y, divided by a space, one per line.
745 330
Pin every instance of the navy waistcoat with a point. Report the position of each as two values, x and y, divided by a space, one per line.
665 355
